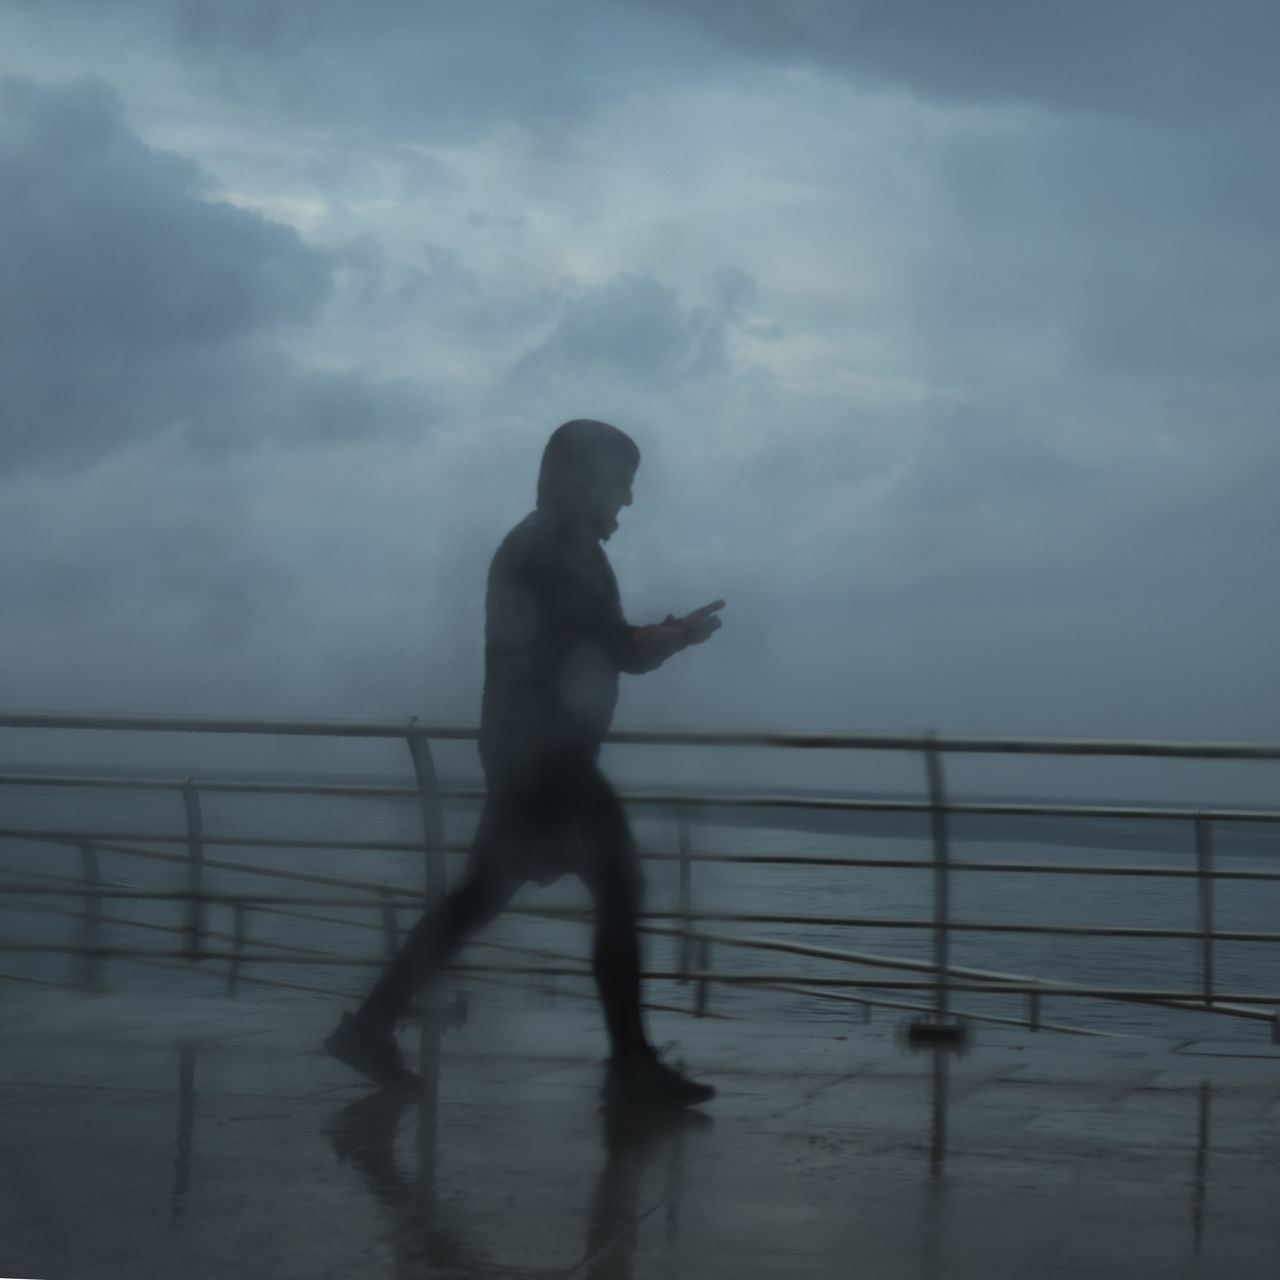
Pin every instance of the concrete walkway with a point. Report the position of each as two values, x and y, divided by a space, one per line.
213 1139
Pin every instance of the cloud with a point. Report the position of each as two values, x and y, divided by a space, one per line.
455 69
1131 57
439 297
135 305
412 67
116 242
631 327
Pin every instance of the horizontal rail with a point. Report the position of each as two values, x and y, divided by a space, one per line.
975 926
957 808
759 917
248 786
102 838
256 900
111 842
247 725
496 979
1045 986
670 799
303 877
924 1008
240 977
864 1001
995 744
120 922
1038 868
1142 994
266 906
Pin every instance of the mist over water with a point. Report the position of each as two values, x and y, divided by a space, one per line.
519 941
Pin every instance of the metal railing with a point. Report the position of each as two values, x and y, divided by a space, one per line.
694 929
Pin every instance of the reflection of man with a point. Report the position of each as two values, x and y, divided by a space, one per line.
633 1139
555 642
364 1133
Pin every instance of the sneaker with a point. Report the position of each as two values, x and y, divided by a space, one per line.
374 1054
650 1082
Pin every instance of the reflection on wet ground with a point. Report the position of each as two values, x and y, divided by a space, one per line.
216 1141
363 1134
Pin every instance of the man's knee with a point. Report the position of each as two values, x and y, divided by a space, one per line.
480 896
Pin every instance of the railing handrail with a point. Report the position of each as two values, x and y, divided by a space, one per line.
816 740
110 892
707 799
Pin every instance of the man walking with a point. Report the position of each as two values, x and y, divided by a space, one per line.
555 643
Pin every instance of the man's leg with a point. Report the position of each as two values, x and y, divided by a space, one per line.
366 1040
612 874
439 934
617 887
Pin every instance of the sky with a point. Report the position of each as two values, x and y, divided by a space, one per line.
948 334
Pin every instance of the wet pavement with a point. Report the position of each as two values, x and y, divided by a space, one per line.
143 1138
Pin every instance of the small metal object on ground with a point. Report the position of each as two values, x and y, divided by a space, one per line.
930 1033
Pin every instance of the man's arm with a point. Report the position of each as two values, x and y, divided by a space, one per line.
649 647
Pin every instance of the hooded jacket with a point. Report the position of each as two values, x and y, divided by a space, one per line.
555 636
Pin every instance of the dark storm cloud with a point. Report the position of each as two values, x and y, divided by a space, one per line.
413 66
132 305
1139 56
114 240
456 67
632 327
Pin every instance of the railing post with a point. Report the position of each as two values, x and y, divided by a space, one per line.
195 870
1204 881
686 895
939 1029
704 967
237 945
941 881
92 917
424 769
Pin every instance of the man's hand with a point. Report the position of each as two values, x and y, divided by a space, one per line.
702 623
658 643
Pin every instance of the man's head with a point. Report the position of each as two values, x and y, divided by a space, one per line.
586 475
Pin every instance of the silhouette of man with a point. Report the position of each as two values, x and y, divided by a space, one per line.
555 643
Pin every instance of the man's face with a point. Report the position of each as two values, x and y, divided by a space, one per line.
609 496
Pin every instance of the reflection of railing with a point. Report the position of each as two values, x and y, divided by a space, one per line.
688 926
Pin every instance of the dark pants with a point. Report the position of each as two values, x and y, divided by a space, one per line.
561 818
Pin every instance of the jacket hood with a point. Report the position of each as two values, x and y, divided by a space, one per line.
578 457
